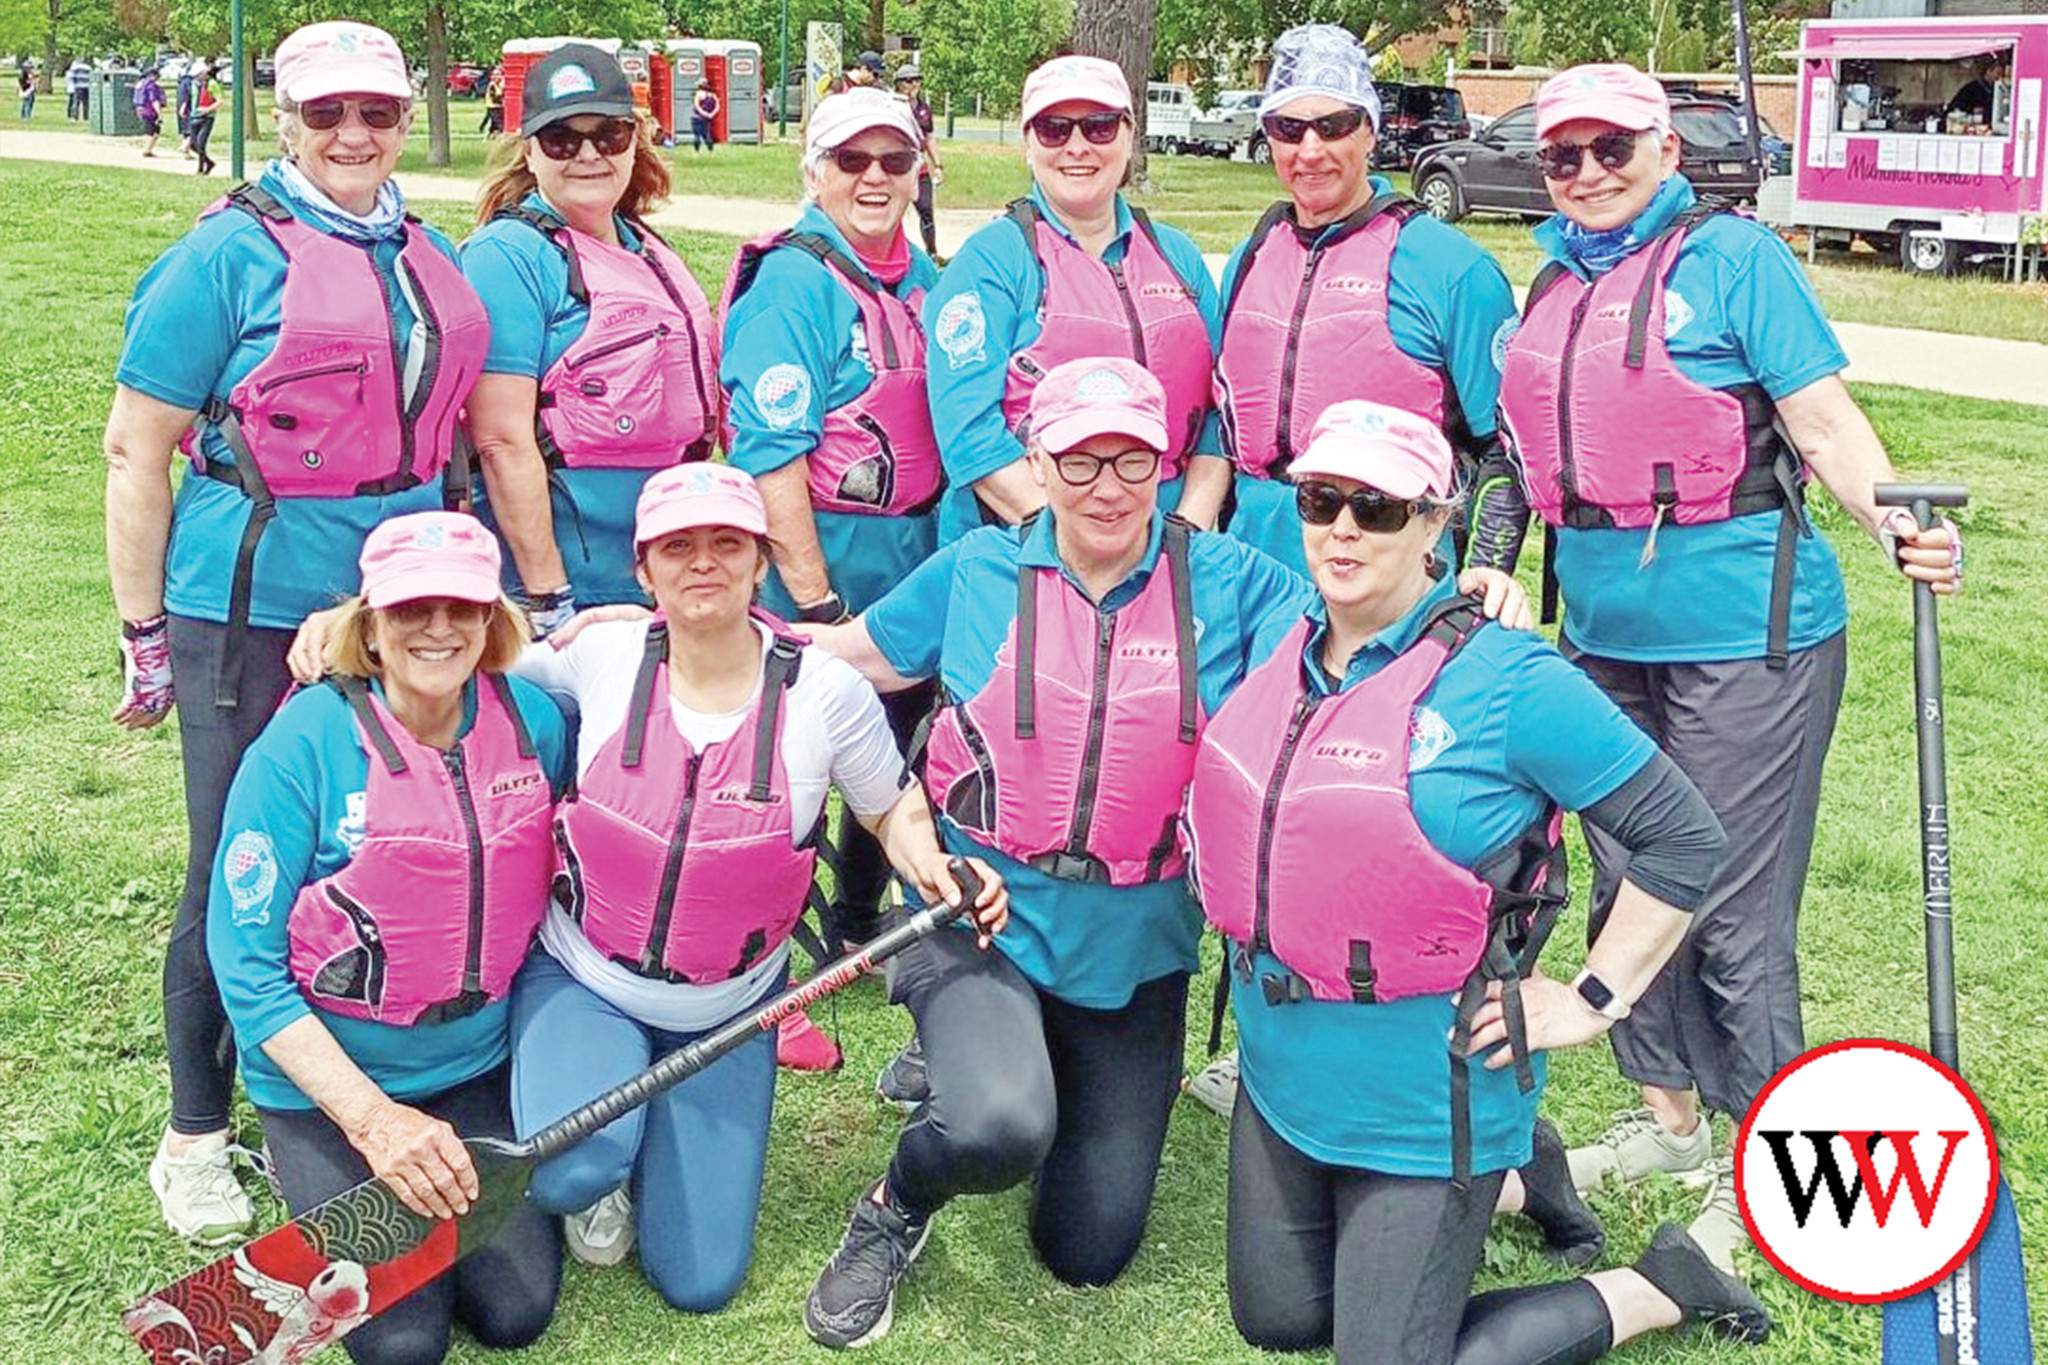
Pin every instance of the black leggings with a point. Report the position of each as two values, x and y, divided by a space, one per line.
1381 1266
863 870
212 740
504 1291
1023 1082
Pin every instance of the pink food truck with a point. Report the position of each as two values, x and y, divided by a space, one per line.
1924 137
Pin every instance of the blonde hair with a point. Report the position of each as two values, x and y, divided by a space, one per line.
508 179
349 649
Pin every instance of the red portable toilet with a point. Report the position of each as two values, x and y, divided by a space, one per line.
522 53
715 72
740 119
686 68
660 86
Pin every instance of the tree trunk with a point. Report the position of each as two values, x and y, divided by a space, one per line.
878 23
48 74
1121 30
439 152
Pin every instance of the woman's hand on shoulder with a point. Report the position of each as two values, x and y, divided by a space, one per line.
1500 597
562 637
307 657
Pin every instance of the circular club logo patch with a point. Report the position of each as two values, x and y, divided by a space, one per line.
1866 1171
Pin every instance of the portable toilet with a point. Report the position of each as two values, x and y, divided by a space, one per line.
715 72
686 68
661 90
640 76
520 56
740 119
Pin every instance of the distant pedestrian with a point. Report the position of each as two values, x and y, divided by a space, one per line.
149 108
910 86
186 71
205 106
494 103
28 91
78 89
703 109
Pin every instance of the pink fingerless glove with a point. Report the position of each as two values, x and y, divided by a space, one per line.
146 665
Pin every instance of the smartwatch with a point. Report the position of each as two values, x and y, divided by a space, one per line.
1599 996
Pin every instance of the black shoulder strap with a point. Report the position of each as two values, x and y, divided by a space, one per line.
1393 203
1546 277
1025 215
555 231
1660 270
357 694
651 660
1453 624
502 687
1174 540
777 676
1268 220
254 199
1027 651
1143 220
829 253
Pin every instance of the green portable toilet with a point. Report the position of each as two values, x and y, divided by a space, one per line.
121 119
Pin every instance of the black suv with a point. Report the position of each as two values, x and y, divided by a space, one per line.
1496 171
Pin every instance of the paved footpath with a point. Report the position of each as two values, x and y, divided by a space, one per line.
1968 366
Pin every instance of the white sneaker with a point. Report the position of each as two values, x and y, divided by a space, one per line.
603 1233
198 1192
1214 1087
1636 1145
1719 1228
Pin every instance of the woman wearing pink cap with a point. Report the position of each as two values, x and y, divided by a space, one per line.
1672 388
364 957
308 347
1070 271
707 740
1372 823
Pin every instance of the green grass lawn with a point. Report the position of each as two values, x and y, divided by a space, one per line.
91 847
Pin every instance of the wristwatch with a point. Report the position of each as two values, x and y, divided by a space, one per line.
1599 996
828 610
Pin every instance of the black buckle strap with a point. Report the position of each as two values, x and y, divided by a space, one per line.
1284 988
1027 652
1071 867
651 660
357 694
1784 558
1360 975
1175 542
783 658
502 686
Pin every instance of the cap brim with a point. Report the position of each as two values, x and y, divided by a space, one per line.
1595 108
1359 468
1048 100
687 519
415 584
1062 435
548 118
322 85
841 136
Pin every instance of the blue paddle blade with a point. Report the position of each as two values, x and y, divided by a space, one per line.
1985 1325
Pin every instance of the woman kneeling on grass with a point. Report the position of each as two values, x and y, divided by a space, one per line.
1363 818
365 962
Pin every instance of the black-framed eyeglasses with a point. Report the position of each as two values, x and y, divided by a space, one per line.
1053 130
1329 127
1561 160
1078 469
853 161
560 142
379 115
1319 503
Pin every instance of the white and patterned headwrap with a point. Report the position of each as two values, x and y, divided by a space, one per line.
1321 59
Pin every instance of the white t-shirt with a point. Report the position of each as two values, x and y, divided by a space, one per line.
834 733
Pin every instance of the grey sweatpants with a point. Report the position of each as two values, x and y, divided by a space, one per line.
1723 1015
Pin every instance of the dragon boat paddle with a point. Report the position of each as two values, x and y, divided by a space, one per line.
280 1298
1978 1315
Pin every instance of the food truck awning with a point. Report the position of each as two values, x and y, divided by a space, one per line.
1871 47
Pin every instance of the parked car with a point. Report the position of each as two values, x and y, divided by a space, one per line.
1496 172
1226 125
1169 116
266 73
1413 117
468 79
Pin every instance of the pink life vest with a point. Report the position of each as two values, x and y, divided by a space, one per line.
1306 326
1071 758
1303 844
325 415
639 389
878 455
1139 308
435 913
681 864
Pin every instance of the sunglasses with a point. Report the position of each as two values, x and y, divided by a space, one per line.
853 161
379 115
1053 130
560 142
1561 160
420 612
1329 127
1319 504
1134 466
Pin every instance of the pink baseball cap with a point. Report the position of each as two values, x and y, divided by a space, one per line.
1092 80
1097 397
1611 92
698 494
340 57
1402 455
430 554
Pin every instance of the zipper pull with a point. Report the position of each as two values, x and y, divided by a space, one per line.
1649 555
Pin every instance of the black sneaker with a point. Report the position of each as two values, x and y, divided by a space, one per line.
1681 1272
904 1082
854 1300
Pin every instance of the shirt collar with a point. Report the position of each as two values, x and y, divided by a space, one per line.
1386 645
1124 221
1039 550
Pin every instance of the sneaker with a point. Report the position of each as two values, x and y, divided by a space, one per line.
1214 1087
801 1046
854 1300
603 1233
904 1082
1718 1228
1636 1145
198 1192
1571 1232
1679 1269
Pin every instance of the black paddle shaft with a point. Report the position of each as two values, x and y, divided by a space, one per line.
687 1061
1937 887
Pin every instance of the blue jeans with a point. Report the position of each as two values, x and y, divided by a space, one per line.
694 1154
